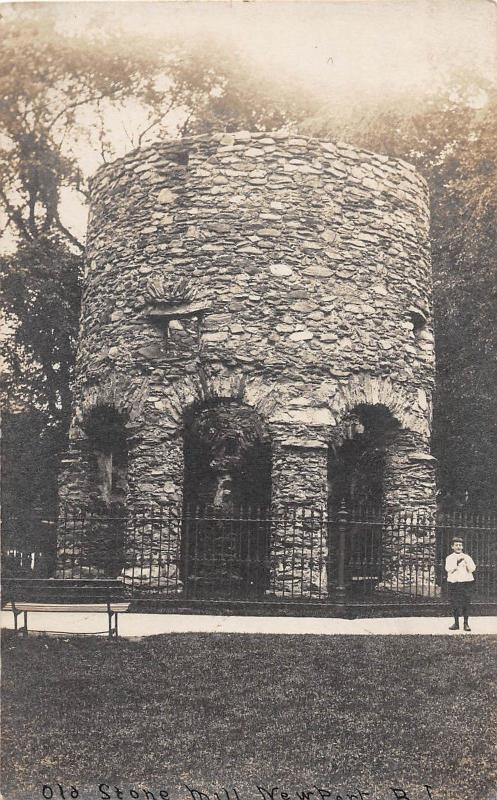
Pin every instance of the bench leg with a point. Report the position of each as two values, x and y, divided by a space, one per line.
25 629
113 631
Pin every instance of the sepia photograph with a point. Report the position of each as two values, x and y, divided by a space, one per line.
248 399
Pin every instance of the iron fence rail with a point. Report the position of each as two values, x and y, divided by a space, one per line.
296 555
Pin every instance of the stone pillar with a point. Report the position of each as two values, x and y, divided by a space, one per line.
299 547
155 470
74 487
409 473
409 544
153 535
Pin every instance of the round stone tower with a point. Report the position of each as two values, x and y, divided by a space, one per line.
278 275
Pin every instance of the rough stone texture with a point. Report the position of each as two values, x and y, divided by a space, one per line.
310 262
303 529
409 559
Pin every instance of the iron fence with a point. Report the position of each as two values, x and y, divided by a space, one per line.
295 555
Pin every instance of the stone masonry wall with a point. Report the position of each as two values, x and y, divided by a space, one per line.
311 266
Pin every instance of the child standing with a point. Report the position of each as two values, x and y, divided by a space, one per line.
460 568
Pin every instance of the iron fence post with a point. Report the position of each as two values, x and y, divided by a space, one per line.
340 589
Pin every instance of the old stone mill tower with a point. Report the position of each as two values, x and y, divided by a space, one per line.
256 331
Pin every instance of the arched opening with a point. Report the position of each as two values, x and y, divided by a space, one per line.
356 473
356 467
227 488
108 485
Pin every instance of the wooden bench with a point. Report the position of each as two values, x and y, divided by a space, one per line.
24 595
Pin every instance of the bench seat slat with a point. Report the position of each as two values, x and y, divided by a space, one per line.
69 589
58 597
67 581
74 607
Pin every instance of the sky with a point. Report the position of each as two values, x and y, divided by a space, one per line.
367 46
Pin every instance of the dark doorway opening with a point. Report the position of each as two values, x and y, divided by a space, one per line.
105 526
356 478
226 495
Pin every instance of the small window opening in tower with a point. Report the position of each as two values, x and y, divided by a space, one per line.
180 157
419 320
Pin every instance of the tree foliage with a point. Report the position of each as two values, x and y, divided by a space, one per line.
464 257
41 292
46 80
29 466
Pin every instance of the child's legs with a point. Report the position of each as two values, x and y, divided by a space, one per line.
454 599
466 600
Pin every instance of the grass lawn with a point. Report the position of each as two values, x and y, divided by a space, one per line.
339 713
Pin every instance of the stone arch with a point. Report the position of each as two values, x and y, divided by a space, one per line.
412 412
407 466
209 386
116 393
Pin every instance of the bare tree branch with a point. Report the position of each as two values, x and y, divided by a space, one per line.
101 134
68 233
160 118
78 103
31 206
15 216
184 127
83 192
128 135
